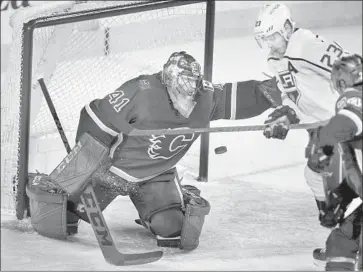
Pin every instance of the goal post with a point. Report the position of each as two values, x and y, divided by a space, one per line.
65 45
208 75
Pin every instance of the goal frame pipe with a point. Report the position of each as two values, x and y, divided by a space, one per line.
208 74
80 16
24 126
26 72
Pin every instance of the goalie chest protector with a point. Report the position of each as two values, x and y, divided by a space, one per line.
48 206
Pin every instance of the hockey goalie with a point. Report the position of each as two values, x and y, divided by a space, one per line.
143 167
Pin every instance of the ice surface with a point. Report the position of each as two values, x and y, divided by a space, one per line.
263 215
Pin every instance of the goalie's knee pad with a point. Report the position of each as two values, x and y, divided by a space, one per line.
48 208
172 213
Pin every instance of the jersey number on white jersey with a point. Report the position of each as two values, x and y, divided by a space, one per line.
334 49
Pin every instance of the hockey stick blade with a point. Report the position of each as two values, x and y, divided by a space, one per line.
141 132
104 238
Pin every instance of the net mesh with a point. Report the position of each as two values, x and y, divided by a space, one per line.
80 62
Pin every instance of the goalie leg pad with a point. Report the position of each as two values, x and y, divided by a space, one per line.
48 208
74 171
159 200
174 214
196 210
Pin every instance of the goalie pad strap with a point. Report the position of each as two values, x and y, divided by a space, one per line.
74 171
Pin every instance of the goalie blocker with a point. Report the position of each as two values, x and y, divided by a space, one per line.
173 213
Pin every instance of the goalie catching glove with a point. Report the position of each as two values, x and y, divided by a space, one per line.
279 121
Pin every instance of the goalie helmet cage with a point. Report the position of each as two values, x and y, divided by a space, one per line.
84 50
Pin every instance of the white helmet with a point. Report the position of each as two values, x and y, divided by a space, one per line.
271 19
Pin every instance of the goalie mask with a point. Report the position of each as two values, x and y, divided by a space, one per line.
346 72
183 79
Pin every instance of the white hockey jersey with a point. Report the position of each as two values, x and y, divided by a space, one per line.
303 75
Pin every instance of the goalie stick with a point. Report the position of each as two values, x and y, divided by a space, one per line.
54 114
90 203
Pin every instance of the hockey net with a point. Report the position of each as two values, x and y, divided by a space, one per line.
79 62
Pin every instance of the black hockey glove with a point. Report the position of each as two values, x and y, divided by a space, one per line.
321 158
332 213
279 121
318 156
326 217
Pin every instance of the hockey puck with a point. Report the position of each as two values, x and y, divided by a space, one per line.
220 150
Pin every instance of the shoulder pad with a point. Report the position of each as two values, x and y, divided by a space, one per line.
298 41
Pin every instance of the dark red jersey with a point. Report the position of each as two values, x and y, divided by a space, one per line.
346 125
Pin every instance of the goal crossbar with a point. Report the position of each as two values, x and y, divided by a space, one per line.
99 13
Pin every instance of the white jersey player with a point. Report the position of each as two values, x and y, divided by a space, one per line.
301 61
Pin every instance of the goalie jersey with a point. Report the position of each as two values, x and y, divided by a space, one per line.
304 75
144 103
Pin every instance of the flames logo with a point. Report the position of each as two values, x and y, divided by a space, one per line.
167 146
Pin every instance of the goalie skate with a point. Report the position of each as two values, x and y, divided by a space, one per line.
319 259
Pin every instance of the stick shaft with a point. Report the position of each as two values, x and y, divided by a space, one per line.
54 114
137 132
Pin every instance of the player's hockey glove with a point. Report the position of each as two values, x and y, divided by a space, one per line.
335 205
279 121
321 158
